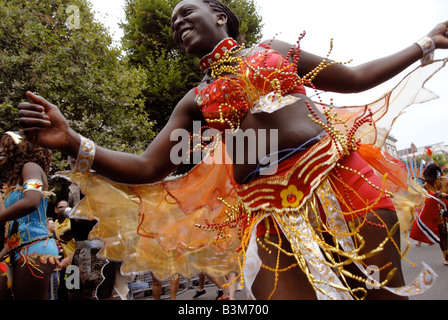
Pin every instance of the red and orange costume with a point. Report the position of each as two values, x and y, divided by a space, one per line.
425 227
206 222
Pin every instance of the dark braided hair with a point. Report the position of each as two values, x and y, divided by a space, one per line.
233 23
432 170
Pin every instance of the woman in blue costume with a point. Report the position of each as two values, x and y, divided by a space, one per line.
189 226
32 252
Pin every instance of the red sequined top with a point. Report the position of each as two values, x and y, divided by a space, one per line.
226 101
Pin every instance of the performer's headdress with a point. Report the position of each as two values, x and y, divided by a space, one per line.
15 136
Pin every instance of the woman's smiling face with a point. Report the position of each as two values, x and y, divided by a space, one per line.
195 27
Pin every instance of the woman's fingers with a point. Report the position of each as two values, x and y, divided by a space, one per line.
31 106
38 100
31 115
30 123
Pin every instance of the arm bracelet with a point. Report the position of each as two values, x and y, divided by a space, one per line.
428 46
33 185
86 155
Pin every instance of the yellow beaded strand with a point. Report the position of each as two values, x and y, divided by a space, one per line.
227 64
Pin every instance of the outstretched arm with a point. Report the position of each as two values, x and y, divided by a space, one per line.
44 124
345 79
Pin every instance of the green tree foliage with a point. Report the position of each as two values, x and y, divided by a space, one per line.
441 159
149 45
55 48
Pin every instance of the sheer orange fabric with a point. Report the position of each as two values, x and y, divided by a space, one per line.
184 225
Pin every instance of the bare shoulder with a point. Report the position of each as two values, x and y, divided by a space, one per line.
31 167
32 170
280 46
187 105
185 112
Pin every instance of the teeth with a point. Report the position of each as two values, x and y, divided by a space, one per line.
186 33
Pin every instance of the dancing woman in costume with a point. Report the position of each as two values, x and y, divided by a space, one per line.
430 224
305 227
32 252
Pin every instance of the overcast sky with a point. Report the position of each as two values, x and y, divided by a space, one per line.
362 31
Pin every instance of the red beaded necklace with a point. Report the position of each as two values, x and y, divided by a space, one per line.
217 53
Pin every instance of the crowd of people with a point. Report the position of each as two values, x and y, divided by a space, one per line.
304 226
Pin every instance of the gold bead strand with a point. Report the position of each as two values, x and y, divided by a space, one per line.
224 64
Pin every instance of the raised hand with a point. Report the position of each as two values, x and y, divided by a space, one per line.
440 35
43 123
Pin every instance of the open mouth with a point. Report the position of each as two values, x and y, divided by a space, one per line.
185 34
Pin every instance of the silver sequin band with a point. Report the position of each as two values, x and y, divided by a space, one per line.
428 46
86 155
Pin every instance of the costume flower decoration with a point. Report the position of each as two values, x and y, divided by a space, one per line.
291 197
14 240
